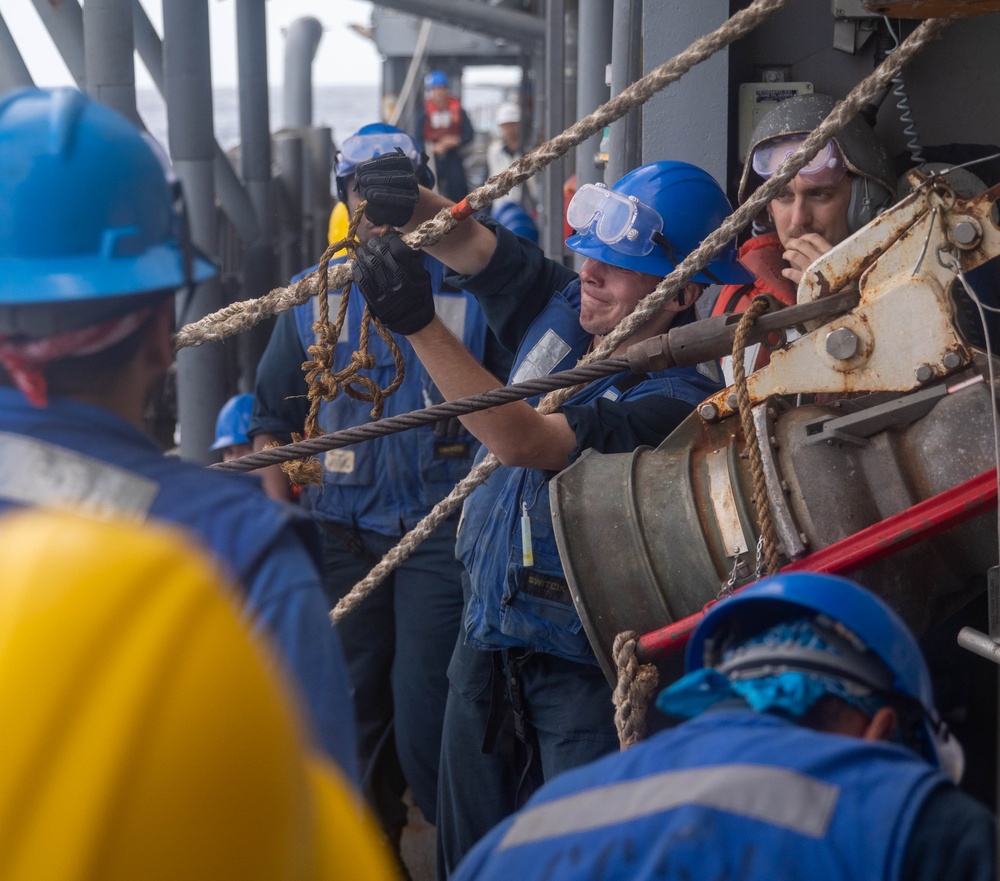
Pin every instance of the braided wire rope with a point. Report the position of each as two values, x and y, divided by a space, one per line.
426 416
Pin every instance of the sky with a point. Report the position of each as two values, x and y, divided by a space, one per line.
344 56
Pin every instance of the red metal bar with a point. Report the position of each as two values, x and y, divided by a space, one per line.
875 542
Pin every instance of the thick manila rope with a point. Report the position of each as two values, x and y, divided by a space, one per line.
841 114
769 537
635 690
245 314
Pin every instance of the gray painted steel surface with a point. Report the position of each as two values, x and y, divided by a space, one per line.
202 388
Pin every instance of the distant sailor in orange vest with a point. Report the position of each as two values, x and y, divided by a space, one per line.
446 129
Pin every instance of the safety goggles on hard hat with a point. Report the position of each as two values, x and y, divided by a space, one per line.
621 222
826 168
360 148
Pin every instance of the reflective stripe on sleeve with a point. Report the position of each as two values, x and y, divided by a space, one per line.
37 473
772 795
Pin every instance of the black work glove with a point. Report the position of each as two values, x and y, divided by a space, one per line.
393 281
389 184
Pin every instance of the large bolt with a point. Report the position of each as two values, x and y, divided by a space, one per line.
965 234
951 360
925 373
842 343
732 402
708 412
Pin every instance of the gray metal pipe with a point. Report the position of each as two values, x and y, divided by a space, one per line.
594 56
554 118
14 73
301 41
319 200
201 371
109 57
255 117
64 22
979 643
289 156
508 24
625 152
259 270
234 199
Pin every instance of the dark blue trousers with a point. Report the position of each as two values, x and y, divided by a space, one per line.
398 643
570 721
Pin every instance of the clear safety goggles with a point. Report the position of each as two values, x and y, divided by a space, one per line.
621 222
360 148
825 169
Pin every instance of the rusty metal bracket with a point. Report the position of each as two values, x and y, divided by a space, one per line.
902 334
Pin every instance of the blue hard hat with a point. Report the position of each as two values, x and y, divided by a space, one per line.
652 219
880 630
233 421
514 216
87 211
436 78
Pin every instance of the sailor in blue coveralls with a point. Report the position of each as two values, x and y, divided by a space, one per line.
522 638
813 751
92 249
398 641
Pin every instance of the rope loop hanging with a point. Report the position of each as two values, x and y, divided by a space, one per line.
323 382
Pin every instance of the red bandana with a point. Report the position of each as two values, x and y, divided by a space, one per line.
25 360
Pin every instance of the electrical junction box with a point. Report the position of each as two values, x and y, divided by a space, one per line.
756 99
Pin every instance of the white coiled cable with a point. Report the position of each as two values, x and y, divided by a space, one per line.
903 106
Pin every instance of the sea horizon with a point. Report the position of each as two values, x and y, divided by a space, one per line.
344 108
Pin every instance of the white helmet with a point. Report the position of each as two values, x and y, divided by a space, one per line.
508 112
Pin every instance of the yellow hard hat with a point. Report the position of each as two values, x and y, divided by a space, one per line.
340 220
146 734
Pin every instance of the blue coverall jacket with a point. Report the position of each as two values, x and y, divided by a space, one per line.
741 795
71 454
519 605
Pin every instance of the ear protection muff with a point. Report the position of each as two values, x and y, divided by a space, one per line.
425 177
868 200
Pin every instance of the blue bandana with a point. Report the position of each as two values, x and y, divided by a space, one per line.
786 692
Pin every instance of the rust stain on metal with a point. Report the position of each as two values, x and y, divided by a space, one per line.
932 8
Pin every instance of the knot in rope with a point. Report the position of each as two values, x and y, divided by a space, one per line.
324 383
758 306
634 691
362 360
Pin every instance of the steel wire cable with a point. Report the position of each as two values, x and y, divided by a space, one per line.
436 413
